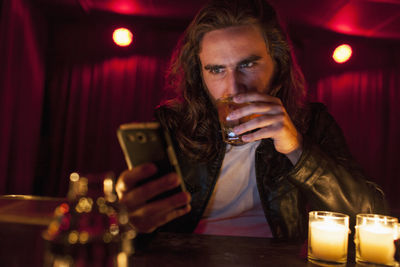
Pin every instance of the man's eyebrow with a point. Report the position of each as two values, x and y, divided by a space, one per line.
243 61
249 59
211 66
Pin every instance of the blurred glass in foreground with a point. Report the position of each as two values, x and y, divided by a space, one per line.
91 228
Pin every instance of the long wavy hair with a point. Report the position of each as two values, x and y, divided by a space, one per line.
191 115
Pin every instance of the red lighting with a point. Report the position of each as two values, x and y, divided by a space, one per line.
122 37
342 53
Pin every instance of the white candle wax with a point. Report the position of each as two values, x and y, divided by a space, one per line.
328 240
376 244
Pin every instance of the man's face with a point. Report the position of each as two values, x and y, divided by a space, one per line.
235 60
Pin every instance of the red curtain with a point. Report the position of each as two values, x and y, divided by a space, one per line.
68 122
85 104
21 93
366 105
64 90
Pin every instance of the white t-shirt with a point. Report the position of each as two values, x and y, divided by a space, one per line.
235 207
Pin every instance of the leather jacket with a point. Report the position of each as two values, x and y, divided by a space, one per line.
325 178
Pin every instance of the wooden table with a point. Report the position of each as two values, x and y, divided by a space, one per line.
171 249
23 219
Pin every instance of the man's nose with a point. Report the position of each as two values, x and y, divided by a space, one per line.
234 83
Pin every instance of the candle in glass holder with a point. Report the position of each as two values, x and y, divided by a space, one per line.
374 239
328 236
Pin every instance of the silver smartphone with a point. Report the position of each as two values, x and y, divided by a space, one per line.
148 142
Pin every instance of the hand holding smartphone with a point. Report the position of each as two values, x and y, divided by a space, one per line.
148 142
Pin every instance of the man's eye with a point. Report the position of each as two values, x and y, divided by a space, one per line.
216 70
246 65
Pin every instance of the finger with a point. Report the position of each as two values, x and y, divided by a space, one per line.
141 194
167 204
256 108
157 213
259 122
255 97
263 133
129 178
148 226
167 217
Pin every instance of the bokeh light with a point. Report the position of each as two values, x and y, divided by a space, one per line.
342 53
122 37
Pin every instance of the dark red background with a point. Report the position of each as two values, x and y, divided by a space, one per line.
65 88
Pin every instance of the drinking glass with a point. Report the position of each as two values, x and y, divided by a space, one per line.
225 106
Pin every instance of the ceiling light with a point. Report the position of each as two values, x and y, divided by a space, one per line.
342 53
122 37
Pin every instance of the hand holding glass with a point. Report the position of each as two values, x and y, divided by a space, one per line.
225 106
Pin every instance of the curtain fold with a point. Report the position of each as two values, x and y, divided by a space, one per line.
21 93
86 103
366 105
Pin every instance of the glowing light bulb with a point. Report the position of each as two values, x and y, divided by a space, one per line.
342 53
122 37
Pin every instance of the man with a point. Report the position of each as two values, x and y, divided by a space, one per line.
295 158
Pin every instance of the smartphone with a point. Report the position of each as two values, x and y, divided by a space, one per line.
143 142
